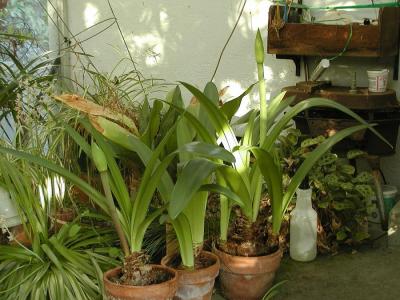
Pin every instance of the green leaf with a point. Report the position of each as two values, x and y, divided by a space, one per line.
360 236
208 151
86 188
231 107
327 159
352 154
216 188
259 48
312 141
365 190
347 169
341 235
307 104
273 177
99 159
73 230
189 181
182 229
363 177
150 133
276 107
312 159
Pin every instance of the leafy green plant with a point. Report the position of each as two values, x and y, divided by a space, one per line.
62 265
131 216
339 193
263 127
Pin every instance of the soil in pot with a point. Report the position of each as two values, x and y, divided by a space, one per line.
63 216
138 280
196 284
247 277
20 236
160 283
250 257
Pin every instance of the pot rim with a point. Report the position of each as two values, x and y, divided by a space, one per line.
165 260
108 273
276 253
250 265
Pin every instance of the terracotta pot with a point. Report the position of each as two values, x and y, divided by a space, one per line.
196 284
247 277
3 3
63 216
21 236
162 291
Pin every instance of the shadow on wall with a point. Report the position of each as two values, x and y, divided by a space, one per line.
181 40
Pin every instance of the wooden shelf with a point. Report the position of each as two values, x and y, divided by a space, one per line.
329 40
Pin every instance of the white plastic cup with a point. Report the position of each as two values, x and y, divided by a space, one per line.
378 80
389 197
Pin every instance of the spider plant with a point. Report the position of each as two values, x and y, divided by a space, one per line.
16 78
132 216
62 265
263 126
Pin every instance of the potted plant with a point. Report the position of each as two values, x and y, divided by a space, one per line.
340 194
61 265
186 206
131 217
249 261
197 268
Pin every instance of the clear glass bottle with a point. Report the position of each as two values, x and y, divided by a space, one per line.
303 228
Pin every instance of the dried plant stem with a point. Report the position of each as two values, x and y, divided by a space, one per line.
127 49
227 41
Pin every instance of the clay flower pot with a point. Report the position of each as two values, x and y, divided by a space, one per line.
21 236
247 277
162 291
196 284
3 3
63 216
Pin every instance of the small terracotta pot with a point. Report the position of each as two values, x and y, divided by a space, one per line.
247 277
196 284
3 3
162 291
21 236
63 216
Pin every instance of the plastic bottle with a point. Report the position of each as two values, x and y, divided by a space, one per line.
303 228
394 227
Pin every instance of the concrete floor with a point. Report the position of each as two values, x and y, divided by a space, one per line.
371 273
368 274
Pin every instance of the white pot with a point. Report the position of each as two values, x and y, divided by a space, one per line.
8 210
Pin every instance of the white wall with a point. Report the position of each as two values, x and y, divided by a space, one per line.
182 39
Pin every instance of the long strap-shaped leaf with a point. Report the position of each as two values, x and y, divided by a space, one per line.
306 104
223 129
197 125
189 181
277 106
84 186
217 118
273 178
231 107
123 198
125 139
182 230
